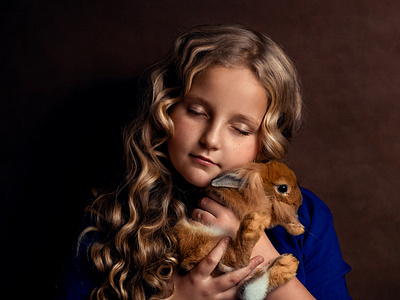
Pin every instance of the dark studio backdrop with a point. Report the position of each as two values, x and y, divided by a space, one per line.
69 73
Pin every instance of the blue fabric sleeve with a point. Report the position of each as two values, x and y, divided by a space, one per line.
324 266
321 269
80 276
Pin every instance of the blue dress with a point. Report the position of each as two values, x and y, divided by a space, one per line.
322 270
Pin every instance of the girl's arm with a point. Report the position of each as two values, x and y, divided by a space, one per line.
212 212
293 289
198 284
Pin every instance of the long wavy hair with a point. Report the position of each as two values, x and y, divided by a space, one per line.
135 252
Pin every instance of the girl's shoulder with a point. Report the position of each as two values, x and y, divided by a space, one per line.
80 275
313 209
323 266
320 238
317 220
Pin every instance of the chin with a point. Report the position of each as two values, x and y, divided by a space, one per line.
199 181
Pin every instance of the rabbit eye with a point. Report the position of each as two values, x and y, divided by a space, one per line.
282 188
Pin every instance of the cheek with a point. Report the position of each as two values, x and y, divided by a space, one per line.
184 131
248 154
245 152
185 134
253 148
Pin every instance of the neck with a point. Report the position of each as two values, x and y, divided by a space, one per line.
186 192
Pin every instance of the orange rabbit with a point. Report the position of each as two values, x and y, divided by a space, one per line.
263 196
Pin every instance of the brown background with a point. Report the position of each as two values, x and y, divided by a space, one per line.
68 81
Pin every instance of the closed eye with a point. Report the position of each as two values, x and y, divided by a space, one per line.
242 132
195 112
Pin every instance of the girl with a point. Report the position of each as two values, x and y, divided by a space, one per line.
224 96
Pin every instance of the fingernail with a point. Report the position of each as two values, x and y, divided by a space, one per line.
259 260
227 239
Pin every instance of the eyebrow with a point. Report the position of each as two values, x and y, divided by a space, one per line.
197 99
248 119
240 117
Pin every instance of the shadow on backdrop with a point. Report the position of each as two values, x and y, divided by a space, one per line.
82 150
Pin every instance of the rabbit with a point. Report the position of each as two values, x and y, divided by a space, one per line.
262 195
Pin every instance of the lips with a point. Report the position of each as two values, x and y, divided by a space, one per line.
203 160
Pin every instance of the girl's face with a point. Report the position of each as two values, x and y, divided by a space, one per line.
217 124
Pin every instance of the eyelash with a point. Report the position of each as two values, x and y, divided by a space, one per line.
195 112
198 113
245 133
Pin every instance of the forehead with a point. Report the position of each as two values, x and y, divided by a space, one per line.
233 89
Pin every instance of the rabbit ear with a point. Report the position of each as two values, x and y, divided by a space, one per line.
230 180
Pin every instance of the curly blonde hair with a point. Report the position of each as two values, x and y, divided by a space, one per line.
135 253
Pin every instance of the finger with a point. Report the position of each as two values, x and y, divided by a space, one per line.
257 265
236 278
210 210
207 212
216 198
211 205
210 262
203 216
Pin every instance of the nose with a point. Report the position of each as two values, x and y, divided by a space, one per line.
211 137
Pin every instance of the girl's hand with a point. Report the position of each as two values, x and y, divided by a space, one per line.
212 212
198 284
